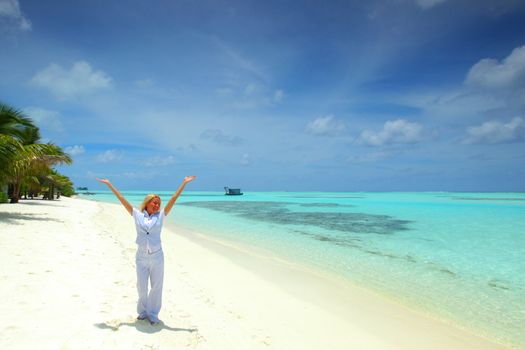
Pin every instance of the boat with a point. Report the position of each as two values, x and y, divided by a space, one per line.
232 191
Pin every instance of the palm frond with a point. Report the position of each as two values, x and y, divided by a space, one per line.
13 122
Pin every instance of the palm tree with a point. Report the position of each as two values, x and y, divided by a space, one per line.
12 125
56 183
12 121
34 159
24 156
9 146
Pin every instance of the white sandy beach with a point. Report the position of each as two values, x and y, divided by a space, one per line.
68 282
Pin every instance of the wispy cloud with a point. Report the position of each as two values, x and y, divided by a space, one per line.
109 156
393 132
493 74
75 150
80 79
253 96
241 61
219 137
493 132
326 126
491 89
50 119
158 161
10 10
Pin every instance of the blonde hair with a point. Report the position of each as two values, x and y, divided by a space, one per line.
148 199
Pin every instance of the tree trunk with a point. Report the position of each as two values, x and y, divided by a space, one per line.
16 193
51 192
10 190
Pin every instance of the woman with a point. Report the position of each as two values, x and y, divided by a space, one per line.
149 258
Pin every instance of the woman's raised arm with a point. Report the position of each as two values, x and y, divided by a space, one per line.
120 197
176 195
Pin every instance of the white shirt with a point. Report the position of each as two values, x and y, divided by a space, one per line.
148 230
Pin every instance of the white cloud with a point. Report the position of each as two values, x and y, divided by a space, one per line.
426 4
75 150
109 156
44 117
81 79
325 126
394 131
220 138
496 132
10 9
159 161
490 73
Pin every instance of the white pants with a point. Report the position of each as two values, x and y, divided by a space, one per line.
150 268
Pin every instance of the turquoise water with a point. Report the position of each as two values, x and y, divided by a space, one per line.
456 256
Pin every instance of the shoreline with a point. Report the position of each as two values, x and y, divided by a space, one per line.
214 296
281 271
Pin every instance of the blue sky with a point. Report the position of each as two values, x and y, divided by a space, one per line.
392 95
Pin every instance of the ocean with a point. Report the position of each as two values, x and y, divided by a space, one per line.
459 257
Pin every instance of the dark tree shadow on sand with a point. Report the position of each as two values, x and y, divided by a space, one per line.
142 326
36 202
18 218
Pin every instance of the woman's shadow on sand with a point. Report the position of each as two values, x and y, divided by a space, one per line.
142 326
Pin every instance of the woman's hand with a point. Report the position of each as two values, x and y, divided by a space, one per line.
104 181
176 195
188 179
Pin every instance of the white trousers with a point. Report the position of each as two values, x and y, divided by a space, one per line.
150 268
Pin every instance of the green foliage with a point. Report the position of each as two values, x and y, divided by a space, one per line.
27 163
68 192
3 197
13 122
57 182
9 147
